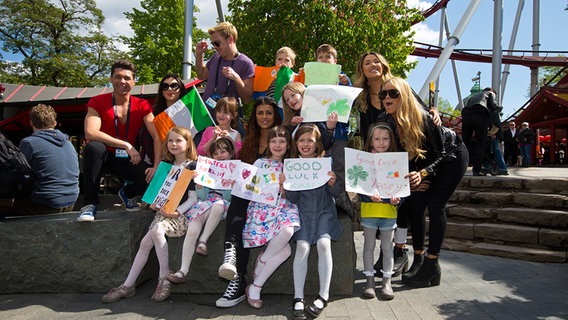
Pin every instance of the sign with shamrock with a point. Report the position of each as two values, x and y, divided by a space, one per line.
377 173
321 100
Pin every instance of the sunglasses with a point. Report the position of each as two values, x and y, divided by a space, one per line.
173 86
393 93
216 43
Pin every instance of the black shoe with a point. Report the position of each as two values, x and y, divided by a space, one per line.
234 294
298 314
416 264
428 275
503 173
313 310
480 174
400 261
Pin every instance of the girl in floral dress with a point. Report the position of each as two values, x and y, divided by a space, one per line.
269 225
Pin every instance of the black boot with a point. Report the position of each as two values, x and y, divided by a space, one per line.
428 275
416 264
400 261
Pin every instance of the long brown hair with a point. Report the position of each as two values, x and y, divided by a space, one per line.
251 142
381 126
361 80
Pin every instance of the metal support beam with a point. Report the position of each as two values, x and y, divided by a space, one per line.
187 39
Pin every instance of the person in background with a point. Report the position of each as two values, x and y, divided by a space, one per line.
54 164
112 124
525 138
511 144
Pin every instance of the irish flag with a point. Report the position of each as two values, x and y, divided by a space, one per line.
269 81
189 112
168 186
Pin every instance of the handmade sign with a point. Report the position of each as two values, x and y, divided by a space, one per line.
168 186
322 100
321 73
372 173
257 184
306 173
215 174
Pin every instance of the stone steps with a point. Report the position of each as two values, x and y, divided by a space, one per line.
510 217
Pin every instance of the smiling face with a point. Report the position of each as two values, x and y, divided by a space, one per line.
265 116
222 154
306 144
177 145
223 117
380 140
172 90
293 100
223 47
390 104
122 81
372 67
278 147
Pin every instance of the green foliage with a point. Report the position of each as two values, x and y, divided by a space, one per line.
157 44
551 75
352 27
445 108
61 42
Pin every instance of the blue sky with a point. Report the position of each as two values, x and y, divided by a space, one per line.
477 35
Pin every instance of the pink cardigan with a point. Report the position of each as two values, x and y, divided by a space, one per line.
207 135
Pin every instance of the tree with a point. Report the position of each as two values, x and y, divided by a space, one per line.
157 44
352 27
62 43
551 75
445 108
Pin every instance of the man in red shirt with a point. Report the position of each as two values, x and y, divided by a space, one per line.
112 123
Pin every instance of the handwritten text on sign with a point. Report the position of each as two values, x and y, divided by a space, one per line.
168 186
306 173
257 184
372 173
216 174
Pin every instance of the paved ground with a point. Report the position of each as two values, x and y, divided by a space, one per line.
473 287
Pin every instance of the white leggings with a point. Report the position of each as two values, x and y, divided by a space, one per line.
325 266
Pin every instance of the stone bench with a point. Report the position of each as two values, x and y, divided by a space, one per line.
54 253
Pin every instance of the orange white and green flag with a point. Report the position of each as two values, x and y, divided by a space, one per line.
189 112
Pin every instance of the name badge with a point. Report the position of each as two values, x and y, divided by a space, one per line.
212 100
120 153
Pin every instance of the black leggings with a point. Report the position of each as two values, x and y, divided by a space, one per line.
447 178
236 219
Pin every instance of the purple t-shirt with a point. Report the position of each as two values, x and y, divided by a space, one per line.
216 81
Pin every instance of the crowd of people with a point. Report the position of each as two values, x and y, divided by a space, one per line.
123 141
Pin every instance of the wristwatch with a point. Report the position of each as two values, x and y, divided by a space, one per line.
423 173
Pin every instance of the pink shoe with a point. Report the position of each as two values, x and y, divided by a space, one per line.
175 279
255 303
201 248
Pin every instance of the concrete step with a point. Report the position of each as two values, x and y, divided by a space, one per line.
531 216
519 184
506 251
500 199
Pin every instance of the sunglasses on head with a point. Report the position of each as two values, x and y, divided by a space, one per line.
173 86
216 43
393 93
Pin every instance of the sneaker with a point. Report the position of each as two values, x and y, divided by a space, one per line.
129 204
87 213
234 294
116 294
503 173
228 270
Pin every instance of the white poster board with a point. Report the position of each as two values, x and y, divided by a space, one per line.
306 173
216 174
257 184
322 100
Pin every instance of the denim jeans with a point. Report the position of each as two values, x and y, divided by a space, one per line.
497 155
526 153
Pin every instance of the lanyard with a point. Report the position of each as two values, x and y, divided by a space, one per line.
116 118
217 73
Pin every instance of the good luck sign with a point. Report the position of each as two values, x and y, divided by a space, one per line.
306 173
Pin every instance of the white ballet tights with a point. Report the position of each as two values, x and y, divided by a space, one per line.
277 251
325 267
155 237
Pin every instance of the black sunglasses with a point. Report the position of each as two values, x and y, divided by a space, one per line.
173 86
216 43
393 93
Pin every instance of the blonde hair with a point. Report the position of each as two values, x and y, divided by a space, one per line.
190 153
296 87
288 52
225 29
410 119
361 80
311 129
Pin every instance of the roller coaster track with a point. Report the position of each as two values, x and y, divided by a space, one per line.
514 57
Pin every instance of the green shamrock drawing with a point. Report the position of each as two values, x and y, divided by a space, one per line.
340 106
356 173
